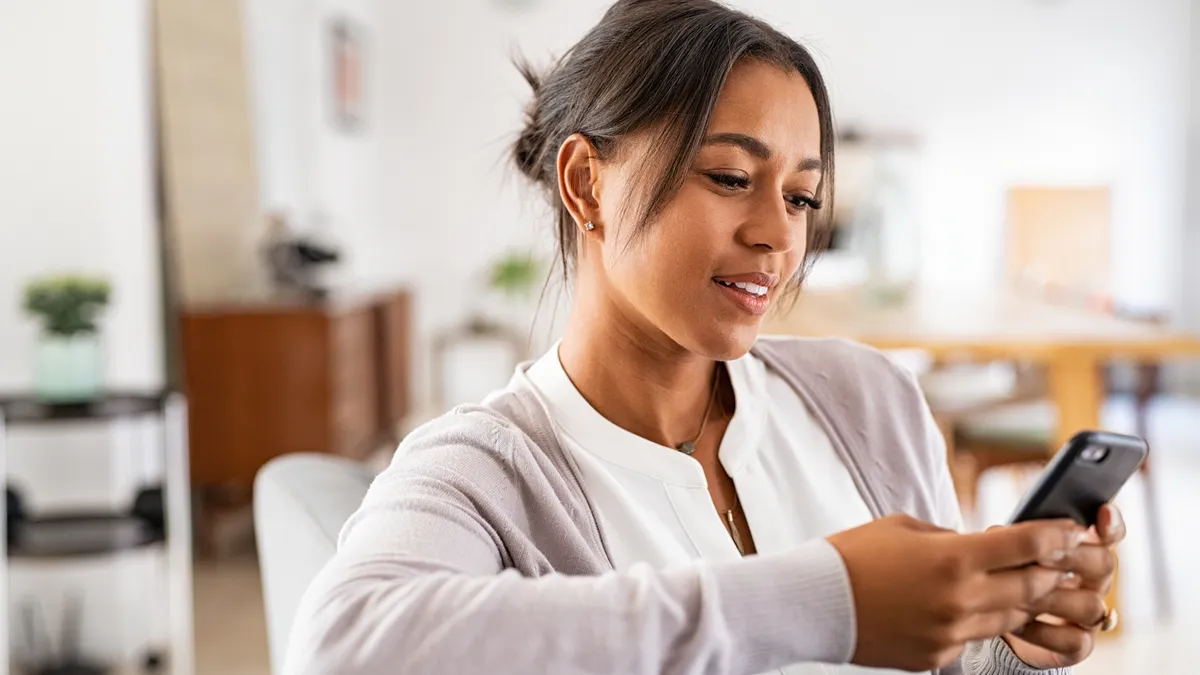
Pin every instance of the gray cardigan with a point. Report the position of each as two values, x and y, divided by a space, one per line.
477 550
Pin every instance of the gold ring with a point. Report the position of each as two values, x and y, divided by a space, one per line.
1110 620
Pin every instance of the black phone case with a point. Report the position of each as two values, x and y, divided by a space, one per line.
1074 488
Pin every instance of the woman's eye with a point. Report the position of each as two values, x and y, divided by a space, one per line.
800 202
730 181
733 181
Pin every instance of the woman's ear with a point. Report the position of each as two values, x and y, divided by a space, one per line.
579 179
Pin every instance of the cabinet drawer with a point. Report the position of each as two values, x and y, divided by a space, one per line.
355 389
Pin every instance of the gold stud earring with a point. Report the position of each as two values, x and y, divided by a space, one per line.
589 226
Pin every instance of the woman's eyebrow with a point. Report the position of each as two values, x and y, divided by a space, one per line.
750 144
757 148
809 164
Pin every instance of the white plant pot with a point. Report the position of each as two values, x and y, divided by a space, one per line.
68 369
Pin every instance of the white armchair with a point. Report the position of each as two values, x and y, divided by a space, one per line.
301 502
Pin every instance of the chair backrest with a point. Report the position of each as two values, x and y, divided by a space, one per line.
1058 238
301 502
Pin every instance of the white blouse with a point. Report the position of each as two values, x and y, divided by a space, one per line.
653 502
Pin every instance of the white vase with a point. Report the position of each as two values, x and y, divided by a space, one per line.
68 368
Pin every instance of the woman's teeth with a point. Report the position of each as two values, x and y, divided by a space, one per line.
752 289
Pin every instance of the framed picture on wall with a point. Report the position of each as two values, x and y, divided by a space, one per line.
346 56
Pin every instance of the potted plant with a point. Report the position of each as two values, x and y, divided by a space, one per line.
515 275
493 338
68 364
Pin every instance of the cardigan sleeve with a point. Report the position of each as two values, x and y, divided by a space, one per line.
422 582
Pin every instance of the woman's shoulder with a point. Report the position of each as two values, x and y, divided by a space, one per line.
836 362
463 430
870 403
502 429
857 388
500 463
506 443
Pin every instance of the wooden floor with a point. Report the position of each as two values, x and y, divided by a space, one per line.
231 629
231 632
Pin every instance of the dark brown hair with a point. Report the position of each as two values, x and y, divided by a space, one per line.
656 65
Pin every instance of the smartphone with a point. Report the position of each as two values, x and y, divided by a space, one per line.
1086 474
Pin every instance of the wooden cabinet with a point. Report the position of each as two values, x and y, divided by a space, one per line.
265 379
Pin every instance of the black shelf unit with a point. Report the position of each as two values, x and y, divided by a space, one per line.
81 534
22 410
70 535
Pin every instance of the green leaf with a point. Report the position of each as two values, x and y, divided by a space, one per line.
67 304
515 274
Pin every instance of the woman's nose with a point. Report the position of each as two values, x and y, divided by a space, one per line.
770 227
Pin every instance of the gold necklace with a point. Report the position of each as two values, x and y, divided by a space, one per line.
689 447
733 529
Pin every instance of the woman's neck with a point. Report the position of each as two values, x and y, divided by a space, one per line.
635 376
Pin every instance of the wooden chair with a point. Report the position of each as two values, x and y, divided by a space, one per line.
1057 247
1058 244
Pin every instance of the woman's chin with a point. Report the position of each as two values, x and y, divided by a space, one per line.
727 343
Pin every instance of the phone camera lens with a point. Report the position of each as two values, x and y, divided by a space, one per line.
1094 454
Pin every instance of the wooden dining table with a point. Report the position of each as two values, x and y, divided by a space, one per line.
1070 343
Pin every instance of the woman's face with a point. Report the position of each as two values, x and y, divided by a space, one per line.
722 250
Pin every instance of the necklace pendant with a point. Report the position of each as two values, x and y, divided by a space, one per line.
686 447
733 532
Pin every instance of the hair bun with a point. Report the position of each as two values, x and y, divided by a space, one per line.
530 148
527 151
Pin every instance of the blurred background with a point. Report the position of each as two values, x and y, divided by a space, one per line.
234 230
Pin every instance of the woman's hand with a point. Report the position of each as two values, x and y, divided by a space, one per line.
1076 610
922 592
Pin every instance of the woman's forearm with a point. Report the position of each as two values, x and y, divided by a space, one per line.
385 615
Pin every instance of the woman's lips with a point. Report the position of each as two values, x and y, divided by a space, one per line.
755 305
757 278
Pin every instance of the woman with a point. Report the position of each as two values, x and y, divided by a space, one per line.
662 492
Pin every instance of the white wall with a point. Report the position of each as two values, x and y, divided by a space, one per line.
76 195
453 104
1189 252
307 164
1001 91
1009 92
76 174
